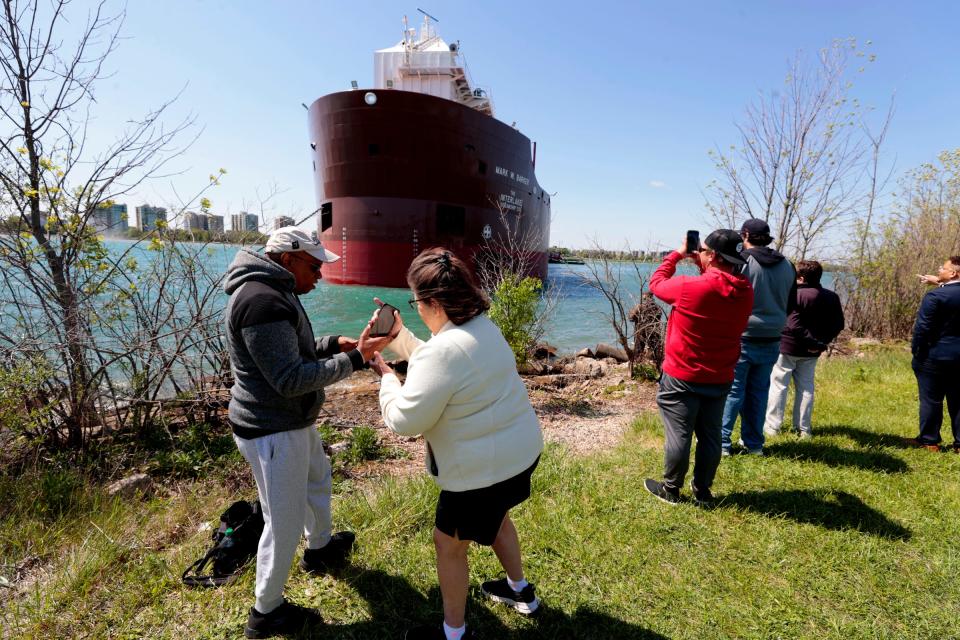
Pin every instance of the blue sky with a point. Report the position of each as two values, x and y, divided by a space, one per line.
623 99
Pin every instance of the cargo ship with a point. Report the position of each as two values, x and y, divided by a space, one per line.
419 161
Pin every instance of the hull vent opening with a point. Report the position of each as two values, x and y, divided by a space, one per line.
326 216
451 220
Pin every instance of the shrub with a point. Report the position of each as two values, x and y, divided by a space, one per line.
513 309
58 492
195 450
645 371
328 433
25 408
364 445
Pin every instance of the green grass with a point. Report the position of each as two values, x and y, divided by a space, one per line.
844 536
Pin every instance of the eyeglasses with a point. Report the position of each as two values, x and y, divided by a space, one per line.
413 302
314 266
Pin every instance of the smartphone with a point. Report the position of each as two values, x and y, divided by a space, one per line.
385 321
693 241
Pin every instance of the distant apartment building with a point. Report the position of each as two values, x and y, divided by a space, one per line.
148 216
214 223
283 221
110 220
202 222
192 221
244 221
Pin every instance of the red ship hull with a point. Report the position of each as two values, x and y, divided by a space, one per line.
413 171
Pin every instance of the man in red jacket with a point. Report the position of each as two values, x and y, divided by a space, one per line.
710 312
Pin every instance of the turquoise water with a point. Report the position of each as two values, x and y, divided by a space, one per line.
577 320
575 323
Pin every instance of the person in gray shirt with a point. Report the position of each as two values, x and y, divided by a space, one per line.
280 370
773 279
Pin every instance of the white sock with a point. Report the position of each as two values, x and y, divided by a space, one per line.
454 634
517 586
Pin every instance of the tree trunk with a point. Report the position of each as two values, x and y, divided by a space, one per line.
81 412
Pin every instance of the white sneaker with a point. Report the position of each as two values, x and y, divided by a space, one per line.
771 432
806 435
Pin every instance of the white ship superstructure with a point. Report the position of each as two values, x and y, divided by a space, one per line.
424 63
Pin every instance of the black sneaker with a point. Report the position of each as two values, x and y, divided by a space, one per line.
333 556
702 497
670 496
426 632
524 601
286 619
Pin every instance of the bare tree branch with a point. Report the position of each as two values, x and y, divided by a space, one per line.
801 161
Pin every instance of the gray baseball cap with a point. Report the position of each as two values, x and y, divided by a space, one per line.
291 239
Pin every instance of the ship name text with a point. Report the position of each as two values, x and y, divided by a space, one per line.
524 180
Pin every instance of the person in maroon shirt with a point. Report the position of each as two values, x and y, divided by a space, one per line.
710 312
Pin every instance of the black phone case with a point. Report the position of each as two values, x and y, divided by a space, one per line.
385 321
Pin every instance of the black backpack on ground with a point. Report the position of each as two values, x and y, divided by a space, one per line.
234 544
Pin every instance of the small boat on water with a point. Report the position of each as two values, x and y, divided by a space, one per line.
556 257
417 161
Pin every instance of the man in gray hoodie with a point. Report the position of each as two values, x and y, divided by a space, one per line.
773 279
280 370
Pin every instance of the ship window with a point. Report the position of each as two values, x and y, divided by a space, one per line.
482 168
326 216
373 149
450 220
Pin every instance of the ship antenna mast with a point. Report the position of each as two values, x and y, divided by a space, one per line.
428 36
427 14
406 41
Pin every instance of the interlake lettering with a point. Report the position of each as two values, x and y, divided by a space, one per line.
510 202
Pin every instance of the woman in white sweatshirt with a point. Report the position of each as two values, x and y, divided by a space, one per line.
463 394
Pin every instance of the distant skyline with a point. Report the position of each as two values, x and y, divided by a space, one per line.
623 102
189 218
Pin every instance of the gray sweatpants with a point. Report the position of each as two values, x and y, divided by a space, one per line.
689 408
803 372
293 478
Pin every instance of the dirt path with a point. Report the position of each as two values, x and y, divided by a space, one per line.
581 413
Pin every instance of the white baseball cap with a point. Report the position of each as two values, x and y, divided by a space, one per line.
290 239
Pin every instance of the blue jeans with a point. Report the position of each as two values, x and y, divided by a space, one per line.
748 395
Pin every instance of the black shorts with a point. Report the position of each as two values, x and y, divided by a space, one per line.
478 513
